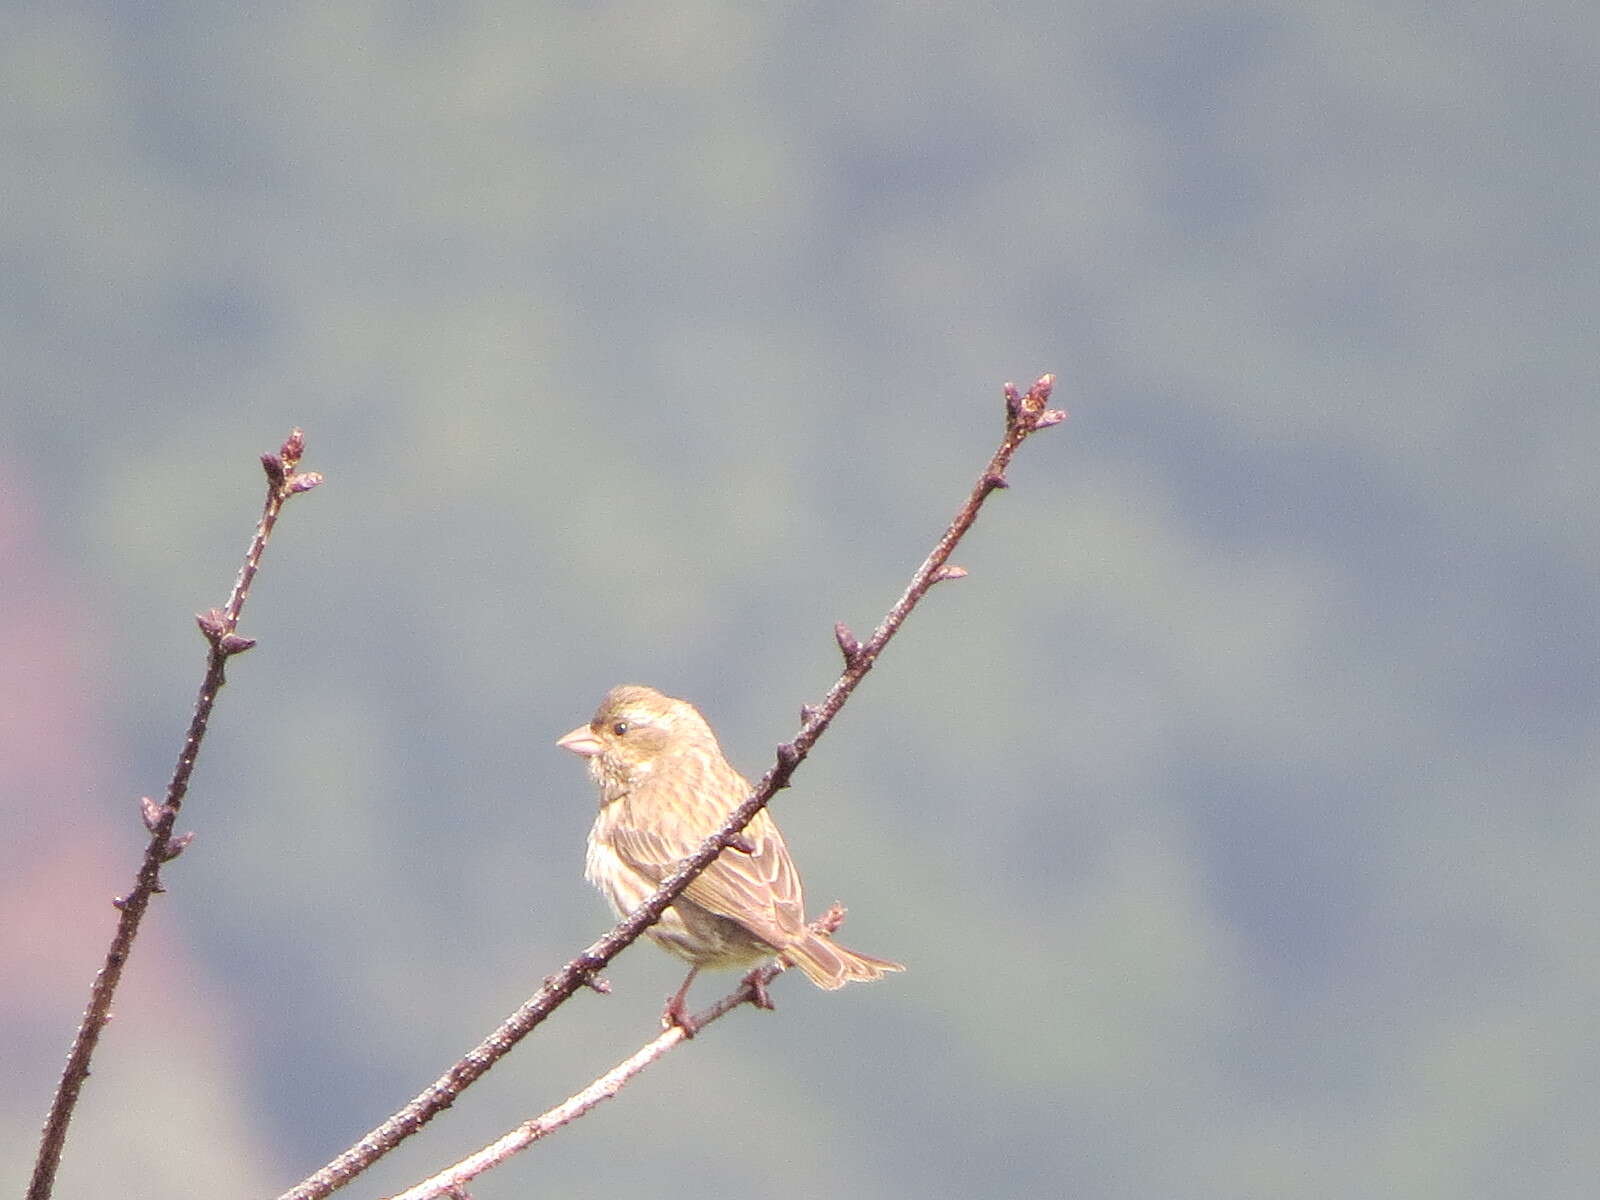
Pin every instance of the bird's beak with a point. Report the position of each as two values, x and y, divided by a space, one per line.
581 741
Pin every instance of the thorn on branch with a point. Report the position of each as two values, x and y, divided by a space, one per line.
741 843
849 645
151 812
949 571
212 623
994 480
788 757
234 643
177 846
808 713
587 966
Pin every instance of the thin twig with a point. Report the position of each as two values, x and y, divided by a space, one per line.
1025 413
220 627
454 1178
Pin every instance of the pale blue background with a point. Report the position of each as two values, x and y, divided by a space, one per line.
1237 816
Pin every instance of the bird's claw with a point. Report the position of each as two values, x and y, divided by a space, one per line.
677 1013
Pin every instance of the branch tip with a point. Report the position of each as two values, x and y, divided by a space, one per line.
830 921
1025 414
304 482
272 464
213 623
293 447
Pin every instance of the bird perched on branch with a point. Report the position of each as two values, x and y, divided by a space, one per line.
665 787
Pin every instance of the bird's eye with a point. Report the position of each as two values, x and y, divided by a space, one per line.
620 727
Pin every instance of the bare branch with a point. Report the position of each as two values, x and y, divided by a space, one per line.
1025 413
219 626
751 989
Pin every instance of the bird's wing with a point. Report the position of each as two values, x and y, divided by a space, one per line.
760 890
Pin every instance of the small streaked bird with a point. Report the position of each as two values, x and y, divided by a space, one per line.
665 787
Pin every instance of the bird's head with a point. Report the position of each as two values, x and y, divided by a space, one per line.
633 731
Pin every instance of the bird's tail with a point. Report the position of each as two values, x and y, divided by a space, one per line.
830 966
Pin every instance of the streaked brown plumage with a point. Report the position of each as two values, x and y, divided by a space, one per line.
665 787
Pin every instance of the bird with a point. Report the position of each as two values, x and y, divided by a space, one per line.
665 786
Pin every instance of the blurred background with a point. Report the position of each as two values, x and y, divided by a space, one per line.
1236 816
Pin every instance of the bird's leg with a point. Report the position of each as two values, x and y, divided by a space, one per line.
756 981
676 1013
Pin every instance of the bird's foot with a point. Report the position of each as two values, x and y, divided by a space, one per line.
677 1013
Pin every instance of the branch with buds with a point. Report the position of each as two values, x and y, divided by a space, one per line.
220 629
449 1182
1026 413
